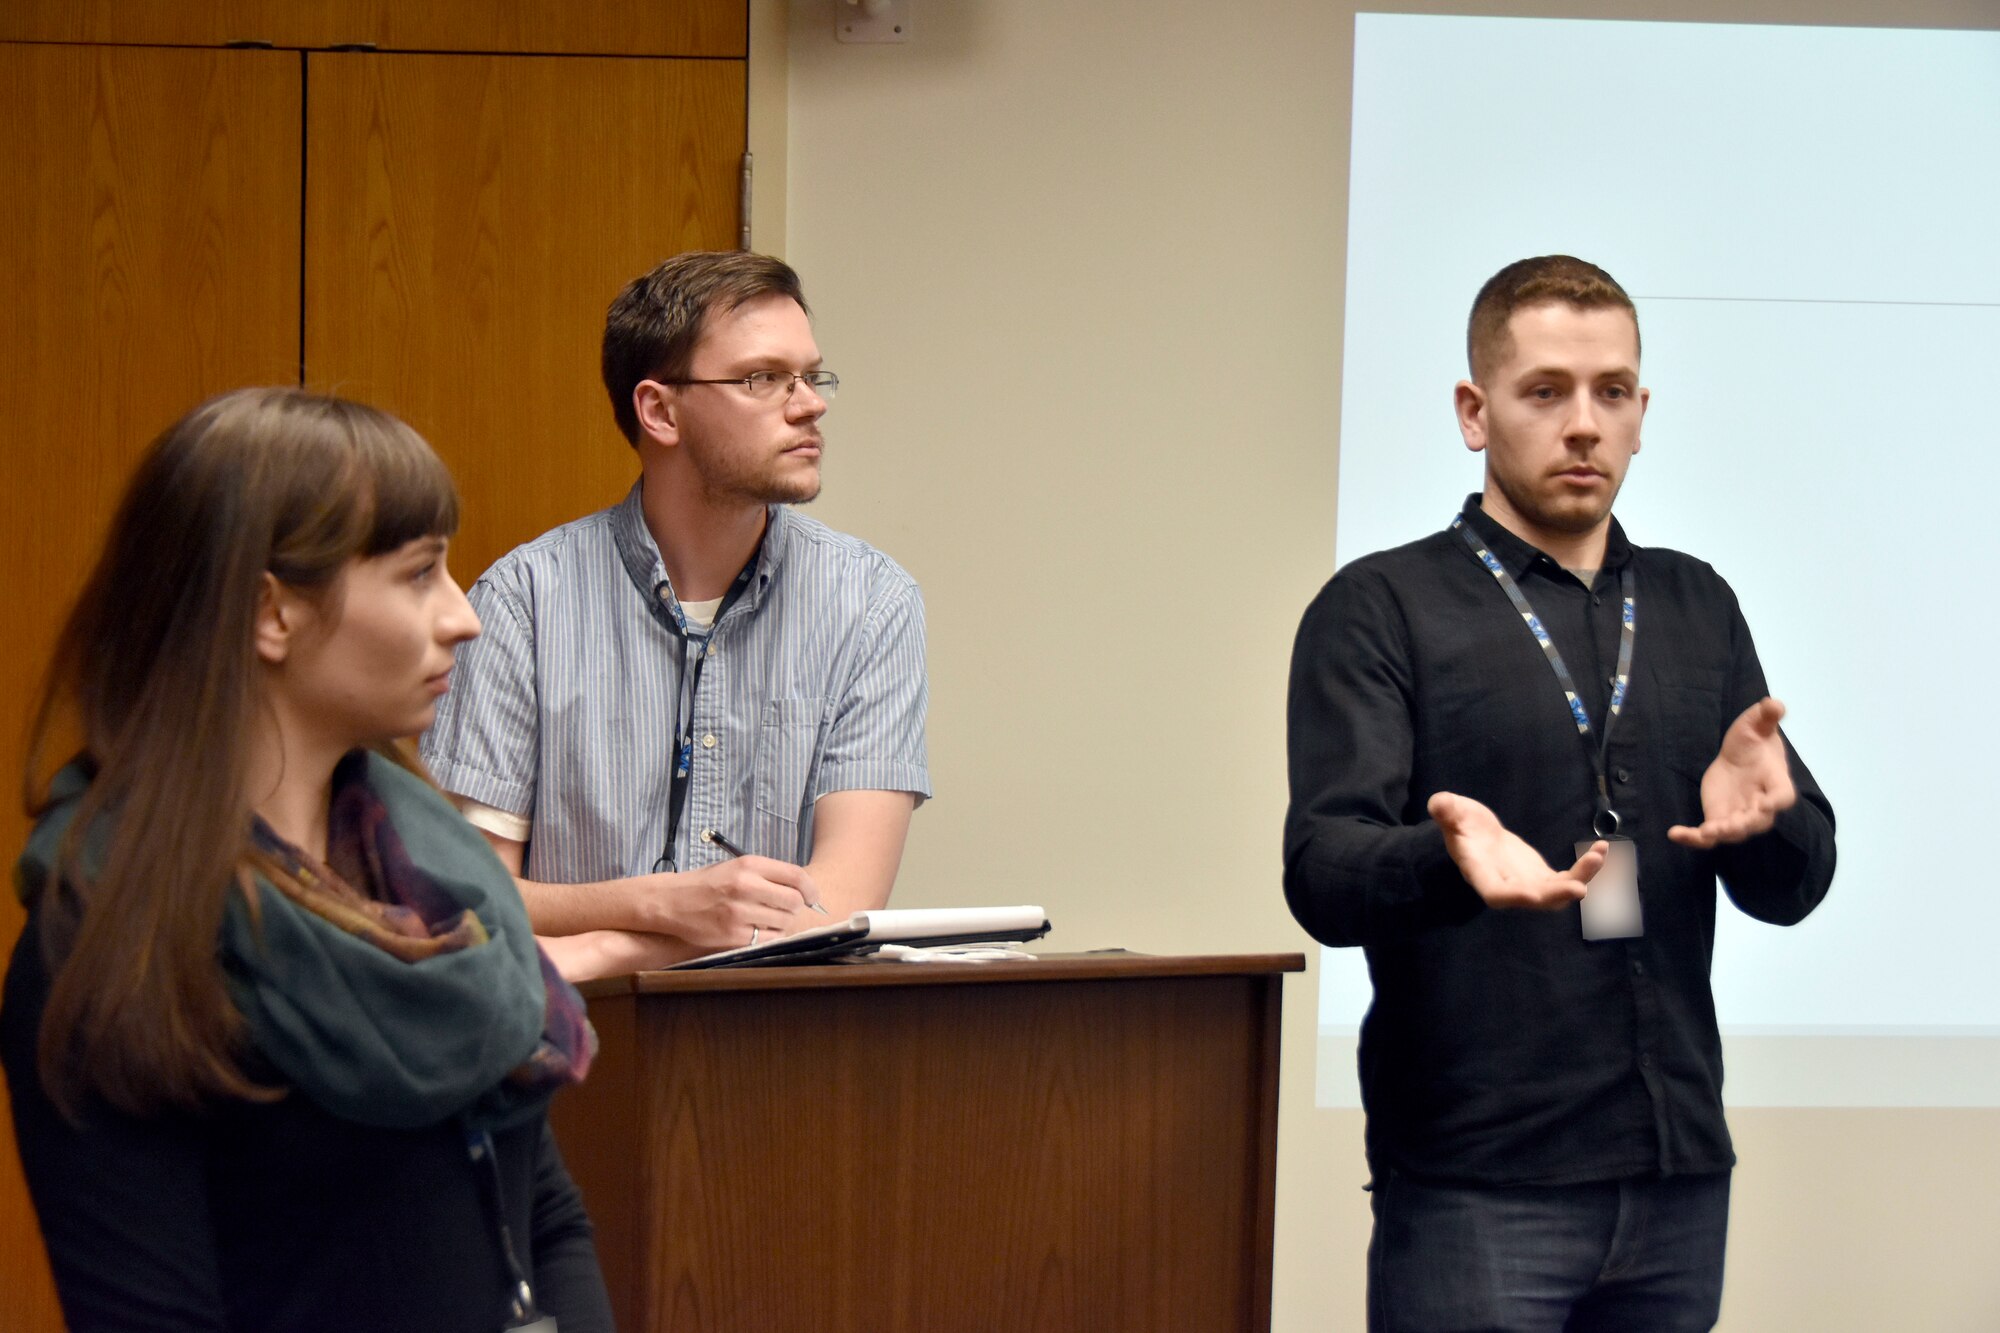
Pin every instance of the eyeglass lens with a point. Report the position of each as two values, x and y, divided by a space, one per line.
769 383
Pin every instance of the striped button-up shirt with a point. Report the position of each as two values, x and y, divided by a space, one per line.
565 710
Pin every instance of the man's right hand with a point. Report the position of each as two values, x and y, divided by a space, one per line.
717 907
1500 867
721 905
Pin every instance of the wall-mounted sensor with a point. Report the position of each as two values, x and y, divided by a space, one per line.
872 20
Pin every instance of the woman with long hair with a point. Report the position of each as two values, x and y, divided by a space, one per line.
279 1039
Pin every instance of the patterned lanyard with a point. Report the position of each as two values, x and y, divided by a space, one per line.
691 669
1604 822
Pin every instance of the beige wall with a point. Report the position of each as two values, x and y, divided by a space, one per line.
1081 266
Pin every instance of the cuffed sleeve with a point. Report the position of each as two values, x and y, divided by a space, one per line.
1780 876
876 738
484 741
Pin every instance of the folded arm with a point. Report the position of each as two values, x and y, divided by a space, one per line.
616 926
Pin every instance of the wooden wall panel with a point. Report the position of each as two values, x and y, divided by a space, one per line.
149 252
468 219
566 27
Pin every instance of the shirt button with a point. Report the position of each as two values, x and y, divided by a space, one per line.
1622 774
1638 968
711 650
708 741
1646 1061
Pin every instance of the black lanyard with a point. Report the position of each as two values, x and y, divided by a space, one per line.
681 780
1604 822
521 1310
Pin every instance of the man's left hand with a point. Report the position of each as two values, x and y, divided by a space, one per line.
1747 785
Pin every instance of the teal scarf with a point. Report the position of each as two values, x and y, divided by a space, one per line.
399 985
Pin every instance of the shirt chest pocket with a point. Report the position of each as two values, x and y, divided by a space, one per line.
787 739
1691 723
1462 731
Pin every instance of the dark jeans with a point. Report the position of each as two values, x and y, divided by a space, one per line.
1643 1254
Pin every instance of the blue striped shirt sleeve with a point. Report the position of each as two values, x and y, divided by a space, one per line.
876 739
484 743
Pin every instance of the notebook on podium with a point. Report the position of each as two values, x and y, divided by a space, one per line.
865 932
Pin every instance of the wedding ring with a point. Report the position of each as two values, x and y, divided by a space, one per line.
755 931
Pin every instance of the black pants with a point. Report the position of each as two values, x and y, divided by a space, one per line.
1641 1254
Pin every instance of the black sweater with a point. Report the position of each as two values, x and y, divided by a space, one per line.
282 1217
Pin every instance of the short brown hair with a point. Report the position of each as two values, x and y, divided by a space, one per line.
1549 279
651 330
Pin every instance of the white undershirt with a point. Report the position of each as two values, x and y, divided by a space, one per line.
500 823
701 615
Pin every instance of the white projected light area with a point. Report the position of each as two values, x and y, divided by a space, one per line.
1806 218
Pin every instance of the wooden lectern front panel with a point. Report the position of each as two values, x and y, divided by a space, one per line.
1087 1155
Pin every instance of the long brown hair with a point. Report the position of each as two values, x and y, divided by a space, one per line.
156 672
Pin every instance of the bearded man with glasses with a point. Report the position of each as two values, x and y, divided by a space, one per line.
696 720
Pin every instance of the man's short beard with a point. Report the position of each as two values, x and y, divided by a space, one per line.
770 494
724 485
1564 521
803 494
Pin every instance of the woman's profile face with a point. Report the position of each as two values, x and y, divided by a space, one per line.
375 654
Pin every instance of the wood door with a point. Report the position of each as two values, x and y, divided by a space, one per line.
468 220
600 27
149 253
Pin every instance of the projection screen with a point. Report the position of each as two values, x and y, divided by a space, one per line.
1809 222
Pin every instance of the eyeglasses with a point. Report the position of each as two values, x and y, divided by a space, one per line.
771 384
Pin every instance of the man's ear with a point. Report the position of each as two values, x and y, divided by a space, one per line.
280 613
658 410
1469 400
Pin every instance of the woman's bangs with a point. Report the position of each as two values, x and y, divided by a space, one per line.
412 493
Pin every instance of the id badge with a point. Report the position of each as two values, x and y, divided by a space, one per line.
1611 907
546 1324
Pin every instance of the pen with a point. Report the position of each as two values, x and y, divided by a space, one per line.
730 847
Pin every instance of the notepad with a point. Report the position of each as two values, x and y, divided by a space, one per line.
865 932
1000 951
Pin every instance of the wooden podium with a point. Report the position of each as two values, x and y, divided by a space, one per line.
1085 1142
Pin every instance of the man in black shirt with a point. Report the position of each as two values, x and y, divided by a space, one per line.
1493 733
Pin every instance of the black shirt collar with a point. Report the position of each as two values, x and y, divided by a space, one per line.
1520 556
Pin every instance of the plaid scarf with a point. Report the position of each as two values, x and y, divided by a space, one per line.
399 983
